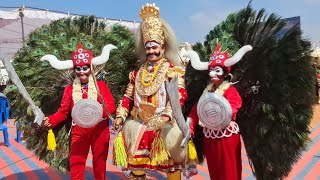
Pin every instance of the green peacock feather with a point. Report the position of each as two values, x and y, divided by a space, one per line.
45 84
274 119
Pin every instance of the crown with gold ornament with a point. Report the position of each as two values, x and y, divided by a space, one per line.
151 25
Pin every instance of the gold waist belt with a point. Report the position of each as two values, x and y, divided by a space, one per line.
145 113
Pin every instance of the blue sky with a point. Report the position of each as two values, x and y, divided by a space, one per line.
191 19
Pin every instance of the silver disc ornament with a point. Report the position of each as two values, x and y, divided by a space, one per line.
87 113
214 111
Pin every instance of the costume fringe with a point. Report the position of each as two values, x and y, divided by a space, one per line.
159 151
192 151
176 175
119 152
51 141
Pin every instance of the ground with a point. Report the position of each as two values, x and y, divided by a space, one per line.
16 162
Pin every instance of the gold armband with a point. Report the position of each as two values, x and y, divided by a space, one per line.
129 90
121 111
155 123
168 112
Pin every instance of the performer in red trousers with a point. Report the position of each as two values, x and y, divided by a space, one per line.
83 87
222 145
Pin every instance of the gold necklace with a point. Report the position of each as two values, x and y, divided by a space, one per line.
153 75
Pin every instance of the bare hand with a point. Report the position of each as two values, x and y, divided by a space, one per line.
45 122
117 123
165 119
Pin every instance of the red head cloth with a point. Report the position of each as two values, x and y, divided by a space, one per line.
217 58
81 56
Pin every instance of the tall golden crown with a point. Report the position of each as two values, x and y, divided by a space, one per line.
151 25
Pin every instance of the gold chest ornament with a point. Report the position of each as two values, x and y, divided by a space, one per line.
148 83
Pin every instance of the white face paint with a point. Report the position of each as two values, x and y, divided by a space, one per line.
83 73
216 75
82 69
150 44
216 72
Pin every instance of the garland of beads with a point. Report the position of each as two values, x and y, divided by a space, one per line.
77 90
155 72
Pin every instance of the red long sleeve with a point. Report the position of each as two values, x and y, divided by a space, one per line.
194 118
64 109
126 103
108 98
233 97
183 95
67 103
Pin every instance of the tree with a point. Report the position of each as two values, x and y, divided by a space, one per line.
45 84
277 83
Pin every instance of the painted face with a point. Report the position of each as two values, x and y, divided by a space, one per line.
83 73
216 73
154 51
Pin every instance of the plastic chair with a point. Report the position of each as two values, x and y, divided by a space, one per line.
1 117
18 139
7 112
4 129
4 109
5 115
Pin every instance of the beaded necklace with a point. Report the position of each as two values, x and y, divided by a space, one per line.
78 90
153 75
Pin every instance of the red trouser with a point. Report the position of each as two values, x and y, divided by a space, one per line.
82 138
224 157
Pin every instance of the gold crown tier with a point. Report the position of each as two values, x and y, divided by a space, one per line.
151 25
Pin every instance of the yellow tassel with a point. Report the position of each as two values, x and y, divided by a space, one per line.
159 151
51 141
192 151
119 151
176 175
138 173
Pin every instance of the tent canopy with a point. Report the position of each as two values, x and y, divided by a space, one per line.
316 53
11 34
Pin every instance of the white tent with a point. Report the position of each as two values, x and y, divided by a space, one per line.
316 52
18 23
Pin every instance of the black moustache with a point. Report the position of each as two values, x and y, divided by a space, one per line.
156 54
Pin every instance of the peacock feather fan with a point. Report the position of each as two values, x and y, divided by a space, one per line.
45 84
276 81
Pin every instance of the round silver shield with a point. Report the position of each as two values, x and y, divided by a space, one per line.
87 113
214 111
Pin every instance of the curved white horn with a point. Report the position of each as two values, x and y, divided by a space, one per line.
57 64
104 57
195 60
182 51
237 56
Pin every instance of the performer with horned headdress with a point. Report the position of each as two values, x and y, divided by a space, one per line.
216 112
151 135
90 106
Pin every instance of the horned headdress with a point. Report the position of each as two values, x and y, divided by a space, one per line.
80 57
217 58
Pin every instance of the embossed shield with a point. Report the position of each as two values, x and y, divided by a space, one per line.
87 113
214 111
